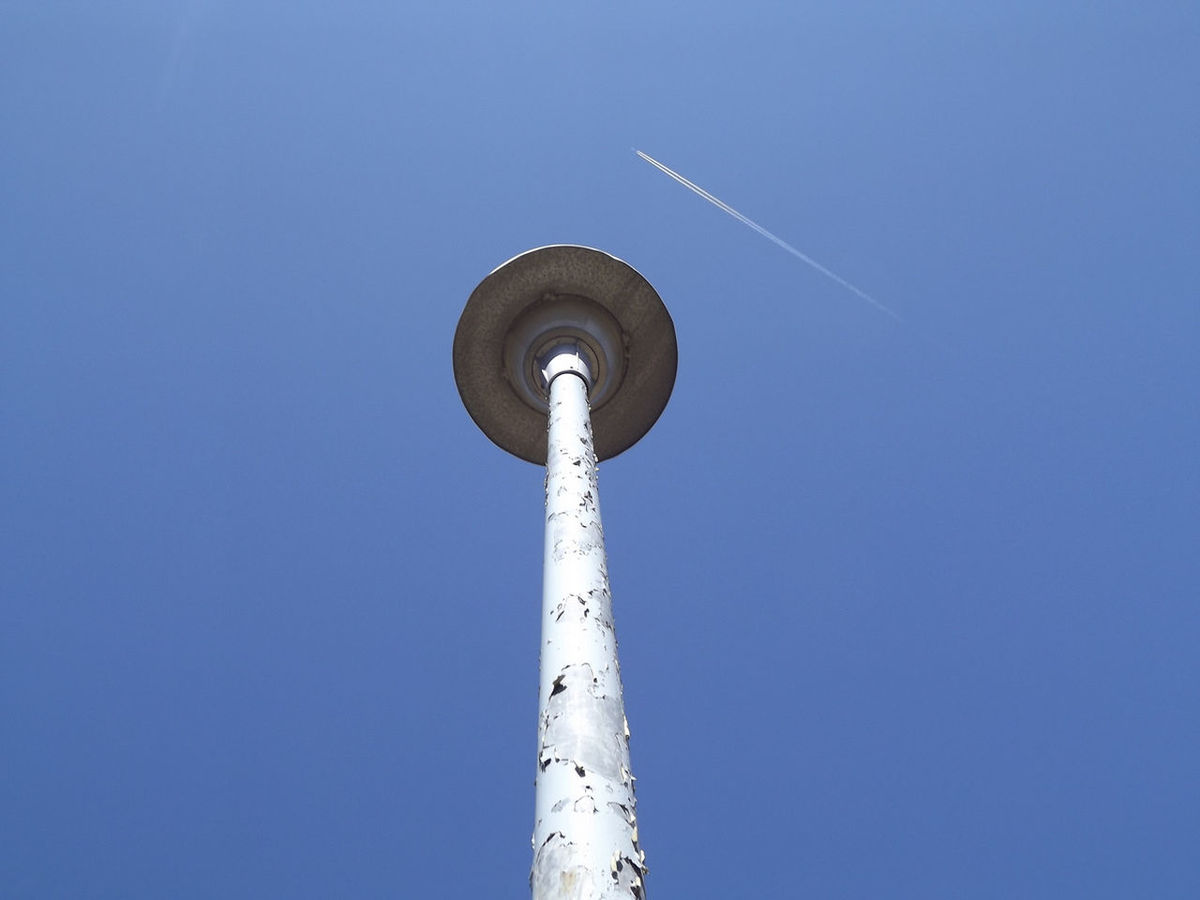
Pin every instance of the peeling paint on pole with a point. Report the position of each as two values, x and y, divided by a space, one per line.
585 838
569 323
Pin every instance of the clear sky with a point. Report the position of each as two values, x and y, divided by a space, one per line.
907 609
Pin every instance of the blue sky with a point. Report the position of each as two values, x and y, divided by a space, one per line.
906 609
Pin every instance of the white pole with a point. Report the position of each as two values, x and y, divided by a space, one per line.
585 837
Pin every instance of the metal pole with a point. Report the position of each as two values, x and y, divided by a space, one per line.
581 331
585 836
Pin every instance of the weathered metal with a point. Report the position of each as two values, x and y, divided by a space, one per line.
585 837
578 336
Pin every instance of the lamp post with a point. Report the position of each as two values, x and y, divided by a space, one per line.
557 342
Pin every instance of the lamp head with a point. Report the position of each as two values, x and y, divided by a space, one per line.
533 305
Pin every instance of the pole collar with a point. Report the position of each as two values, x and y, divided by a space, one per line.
565 357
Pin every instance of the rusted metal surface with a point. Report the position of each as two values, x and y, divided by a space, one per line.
585 838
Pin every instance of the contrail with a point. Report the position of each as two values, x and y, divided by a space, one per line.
725 207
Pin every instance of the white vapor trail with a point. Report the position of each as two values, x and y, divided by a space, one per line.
725 207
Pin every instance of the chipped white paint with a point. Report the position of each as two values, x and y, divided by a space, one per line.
585 832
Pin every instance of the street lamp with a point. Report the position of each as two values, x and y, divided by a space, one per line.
557 343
